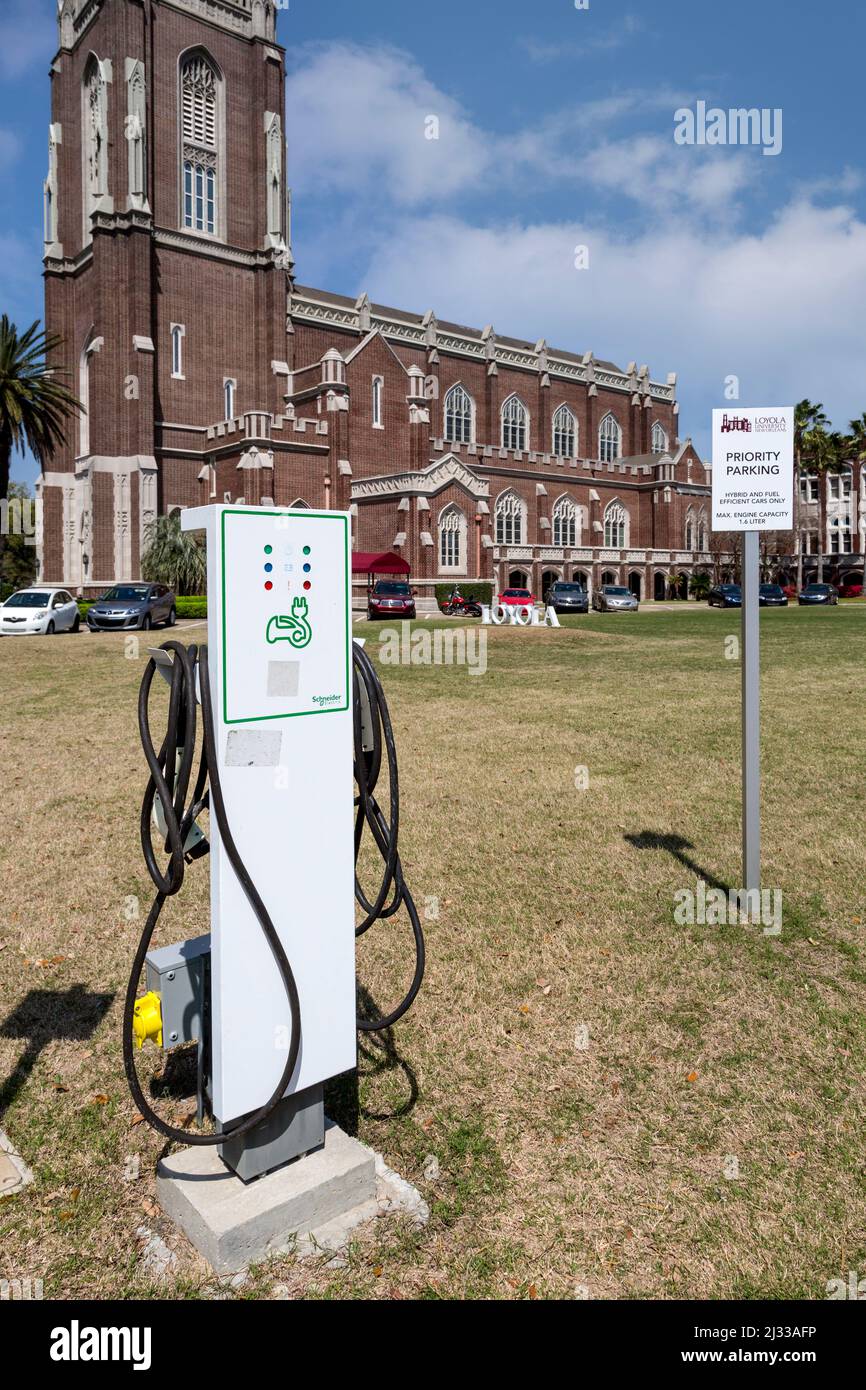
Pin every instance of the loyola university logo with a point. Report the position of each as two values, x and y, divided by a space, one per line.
735 422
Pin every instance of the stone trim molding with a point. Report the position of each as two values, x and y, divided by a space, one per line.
424 483
483 346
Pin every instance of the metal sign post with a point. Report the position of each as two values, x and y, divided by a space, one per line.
753 491
750 659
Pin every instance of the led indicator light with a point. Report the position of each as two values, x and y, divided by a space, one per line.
269 585
269 549
307 584
307 569
306 550
268 569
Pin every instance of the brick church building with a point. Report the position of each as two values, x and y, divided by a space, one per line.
208 373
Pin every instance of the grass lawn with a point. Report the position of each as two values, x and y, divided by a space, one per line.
617 1106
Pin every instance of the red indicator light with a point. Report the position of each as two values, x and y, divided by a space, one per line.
269 585
307 584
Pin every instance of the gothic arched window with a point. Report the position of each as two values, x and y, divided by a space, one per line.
609 439
452 539
200 138
565 522
690 530
659 439
615 525
510 513
514 424
564 434
458 416
94 143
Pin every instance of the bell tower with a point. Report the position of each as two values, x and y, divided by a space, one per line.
167 264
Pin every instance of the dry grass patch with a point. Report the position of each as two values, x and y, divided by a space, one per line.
580 1068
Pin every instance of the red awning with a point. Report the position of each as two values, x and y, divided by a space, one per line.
368 562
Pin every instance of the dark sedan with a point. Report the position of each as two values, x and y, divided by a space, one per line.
818 593
725 596
772 596
391 599
133 606
567 598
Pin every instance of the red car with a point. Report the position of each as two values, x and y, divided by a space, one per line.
516 596
390 599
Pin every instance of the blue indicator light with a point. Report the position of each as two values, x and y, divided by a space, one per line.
307 569
268 569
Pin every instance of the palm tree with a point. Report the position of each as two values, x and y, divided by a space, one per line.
700 585
807 417
826 450
34 404
858 452
173 556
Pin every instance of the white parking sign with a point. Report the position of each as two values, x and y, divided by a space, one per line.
753 469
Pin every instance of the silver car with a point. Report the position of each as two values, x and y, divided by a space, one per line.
613 598
133 606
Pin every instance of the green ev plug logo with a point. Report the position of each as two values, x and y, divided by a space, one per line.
295 629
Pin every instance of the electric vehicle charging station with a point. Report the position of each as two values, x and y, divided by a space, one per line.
295 731
280 636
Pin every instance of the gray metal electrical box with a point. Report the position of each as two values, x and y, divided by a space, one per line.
179 975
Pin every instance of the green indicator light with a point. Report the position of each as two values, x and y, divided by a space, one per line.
306 550
269 550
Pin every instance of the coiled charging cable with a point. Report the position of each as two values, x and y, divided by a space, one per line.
368 765
170 776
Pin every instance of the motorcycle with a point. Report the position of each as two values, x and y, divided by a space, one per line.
456 606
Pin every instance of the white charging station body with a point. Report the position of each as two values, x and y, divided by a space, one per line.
279 649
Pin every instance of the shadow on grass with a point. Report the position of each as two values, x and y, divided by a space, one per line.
676 846
377 1056
46 1015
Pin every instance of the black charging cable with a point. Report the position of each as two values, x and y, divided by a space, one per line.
169 780
170 783
377 731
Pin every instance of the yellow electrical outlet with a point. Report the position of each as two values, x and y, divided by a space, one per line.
147 1020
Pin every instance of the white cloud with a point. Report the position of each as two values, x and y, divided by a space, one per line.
655 172
690 284
782 308
357 120
28 35
589 41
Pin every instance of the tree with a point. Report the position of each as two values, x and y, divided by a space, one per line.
34 404
807 417
18 558
699 584
826 451
724 547
858 452
173 557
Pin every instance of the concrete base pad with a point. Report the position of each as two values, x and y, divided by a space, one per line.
308 1206
14 1173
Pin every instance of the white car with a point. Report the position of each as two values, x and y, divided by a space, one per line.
39 610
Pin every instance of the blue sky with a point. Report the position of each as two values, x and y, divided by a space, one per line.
555 131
